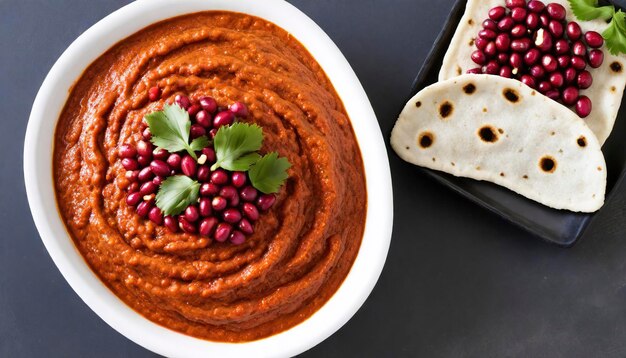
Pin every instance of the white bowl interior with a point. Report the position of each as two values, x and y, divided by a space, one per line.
39 182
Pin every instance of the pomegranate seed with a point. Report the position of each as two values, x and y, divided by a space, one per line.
570 95
237 238
193 110
518 14
182 101
505 71
549 63
556 11
186 226
544 86
146 134
148 188
535 6
143 160
188 165
496 13
578 63
145 148
191 213
503 58
556 28
143 209
518 31
208 104
196 131
127 151
231 216
145 174
228 192
223 118
133 187
160 168
174 161
479 57
480 43
246 227
596 57
553 94
537 71
158 180
532 21
543 40
248 193
584 79
130 164
487 34
170 223
474 71
528 80
573 31
491 49
154 93
156 216
234 201
240 110
520 45
265 201
532 56
204 207
515 3
132 175
563 61
492 68
133 199
222 232
212 133
210 154
503 42
544 19
203 173
208 189
561 47
583 106
490 24
506 24
579 48
251 211
516 60
207 225
204 119
594 39
556 79
219 177
570 75
218 203
160 154
239 179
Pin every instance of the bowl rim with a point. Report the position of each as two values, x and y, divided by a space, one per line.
38 180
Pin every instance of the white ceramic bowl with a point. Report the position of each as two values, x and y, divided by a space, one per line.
39 185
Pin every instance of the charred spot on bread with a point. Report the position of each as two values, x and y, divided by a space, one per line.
510 95
488 134
418 104
446 109
616 67
469 88
547 164
425 139
470 22
582 141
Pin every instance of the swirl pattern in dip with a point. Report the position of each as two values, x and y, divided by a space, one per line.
302 248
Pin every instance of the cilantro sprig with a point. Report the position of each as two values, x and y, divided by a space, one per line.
170 131
176 193
615 34
269 173
236 146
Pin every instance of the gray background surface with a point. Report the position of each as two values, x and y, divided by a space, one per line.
459 281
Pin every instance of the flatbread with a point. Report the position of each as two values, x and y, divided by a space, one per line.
608 80
497 129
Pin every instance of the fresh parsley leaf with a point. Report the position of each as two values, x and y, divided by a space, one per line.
170 130
589 10
176 193
269 173
235 141
615 34
244 162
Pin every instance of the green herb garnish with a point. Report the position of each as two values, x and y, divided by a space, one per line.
269 173
615 33
170 131
176 193
236 146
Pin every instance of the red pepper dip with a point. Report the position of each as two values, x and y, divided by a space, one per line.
302 248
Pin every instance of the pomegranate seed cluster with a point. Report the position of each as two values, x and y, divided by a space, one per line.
228 205
533 43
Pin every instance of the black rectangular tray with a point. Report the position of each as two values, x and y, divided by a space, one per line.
560 227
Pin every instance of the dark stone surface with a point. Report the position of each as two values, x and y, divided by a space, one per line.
459 281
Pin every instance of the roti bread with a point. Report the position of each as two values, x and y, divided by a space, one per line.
497 129
608 80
